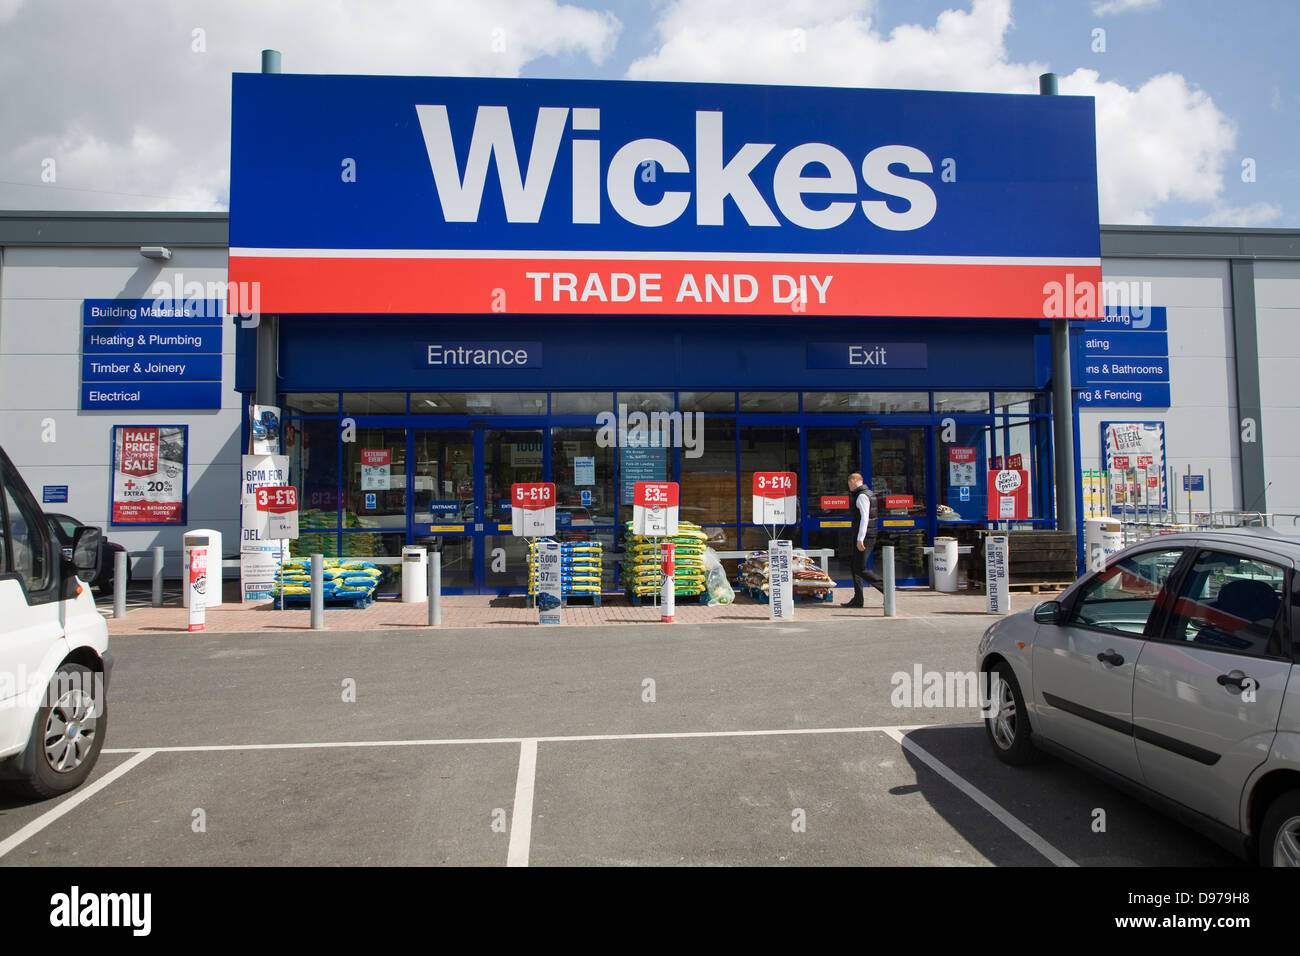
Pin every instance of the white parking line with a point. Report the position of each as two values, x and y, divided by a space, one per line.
80 797
1054 855
571 738
521 820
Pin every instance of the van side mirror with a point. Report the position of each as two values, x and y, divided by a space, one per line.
1049 612
87 547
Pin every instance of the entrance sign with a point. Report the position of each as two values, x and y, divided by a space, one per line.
654 509
776 497
767 199
532 509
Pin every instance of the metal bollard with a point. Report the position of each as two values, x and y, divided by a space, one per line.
435 588
158 557
119 584
887 560
317 592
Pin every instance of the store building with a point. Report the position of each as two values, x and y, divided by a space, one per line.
421 371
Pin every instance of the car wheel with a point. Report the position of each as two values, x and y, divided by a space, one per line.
1008 726
67 735
1279 836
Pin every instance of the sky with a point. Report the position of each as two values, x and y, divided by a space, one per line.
120 104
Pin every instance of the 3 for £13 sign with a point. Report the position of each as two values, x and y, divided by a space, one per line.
280 505
532 509
776 497
1008 495
654 508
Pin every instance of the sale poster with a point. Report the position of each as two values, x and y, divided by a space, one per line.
1134 455
961 467
149 474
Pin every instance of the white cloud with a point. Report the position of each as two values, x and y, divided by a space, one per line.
135 118
1164 141
1256 214
1104 8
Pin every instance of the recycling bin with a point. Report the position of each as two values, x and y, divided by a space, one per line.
1102 537
944 563
415 575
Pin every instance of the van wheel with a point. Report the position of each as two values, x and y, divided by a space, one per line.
67 735
1279 835
1008 727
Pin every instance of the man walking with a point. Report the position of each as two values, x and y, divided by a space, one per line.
864 542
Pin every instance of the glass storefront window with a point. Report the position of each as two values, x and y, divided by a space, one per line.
858 402
898 464
833 454
305 545
512 456
443 475
309 403
374 403
478 403
764 448
582 403
708 492
313 450
717 402
945 402
374 479
1021 403
457 557
583 473
962 475
646 401
754 403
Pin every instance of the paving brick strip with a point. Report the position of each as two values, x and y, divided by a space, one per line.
487 611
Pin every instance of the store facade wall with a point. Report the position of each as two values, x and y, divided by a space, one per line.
50 265
1277 304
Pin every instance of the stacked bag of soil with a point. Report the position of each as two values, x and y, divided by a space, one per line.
579 567
642 561
344 580
809 578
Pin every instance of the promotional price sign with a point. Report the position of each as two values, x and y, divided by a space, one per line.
776 497
1008 495
532 509
654 508
1015 462
260 554
149 474
1134 454
280 505
997 574
376 466
780 581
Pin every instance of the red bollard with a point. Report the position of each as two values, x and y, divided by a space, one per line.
668 589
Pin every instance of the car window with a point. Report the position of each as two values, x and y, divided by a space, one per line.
1123 597
27 544
69 526
1231 603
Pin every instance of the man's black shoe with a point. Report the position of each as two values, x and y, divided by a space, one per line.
853 604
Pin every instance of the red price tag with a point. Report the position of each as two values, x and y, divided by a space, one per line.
655 494
533 496
277 499
1015 462
775 484
1120 461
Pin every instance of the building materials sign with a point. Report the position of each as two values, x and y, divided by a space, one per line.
149 474
587 197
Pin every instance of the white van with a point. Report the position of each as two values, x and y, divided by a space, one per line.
54 659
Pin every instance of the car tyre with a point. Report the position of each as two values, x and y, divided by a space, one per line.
1008 727
67 735
1279 834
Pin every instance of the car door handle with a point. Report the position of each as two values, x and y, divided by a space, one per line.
1110 657
1236 679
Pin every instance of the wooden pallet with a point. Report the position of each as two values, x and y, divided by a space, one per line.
761 596
281 601
1033 587
638 600
584 599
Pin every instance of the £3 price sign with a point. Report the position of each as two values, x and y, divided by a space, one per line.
654 508
532 509
280 503
776 497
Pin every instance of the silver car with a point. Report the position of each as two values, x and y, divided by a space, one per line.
1169 673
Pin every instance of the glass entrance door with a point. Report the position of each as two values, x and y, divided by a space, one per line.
899 467
445 480
833 453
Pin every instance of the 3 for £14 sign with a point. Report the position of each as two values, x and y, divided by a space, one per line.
1008 495
654 508
776 497
532 509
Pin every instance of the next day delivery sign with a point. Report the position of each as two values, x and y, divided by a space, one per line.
375 194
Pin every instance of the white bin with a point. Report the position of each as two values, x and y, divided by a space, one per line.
944 558
1102 537
202 538
415 575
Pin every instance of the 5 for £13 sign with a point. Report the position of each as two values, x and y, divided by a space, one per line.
1008 495
654 508
532 509
776 497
